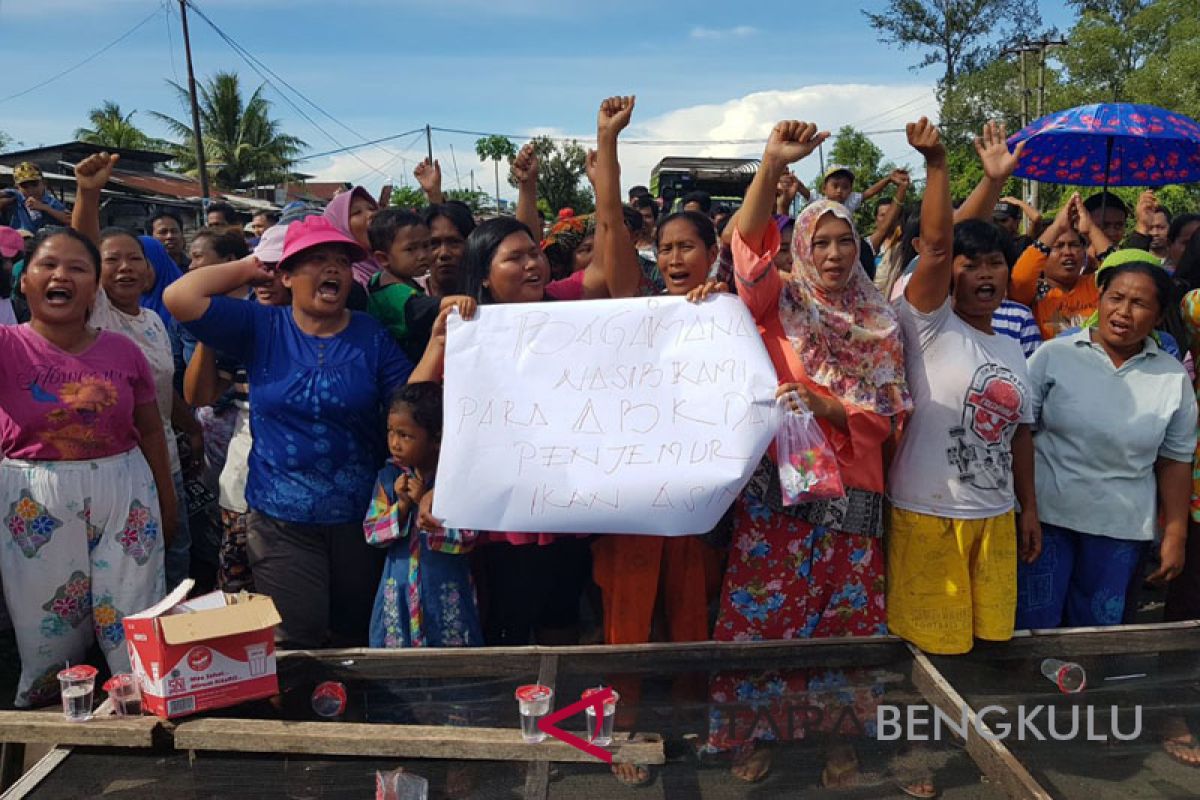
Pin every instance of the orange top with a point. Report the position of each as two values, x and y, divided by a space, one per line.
1055 310
859 449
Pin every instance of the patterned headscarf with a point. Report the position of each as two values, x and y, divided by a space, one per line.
849 339
564 239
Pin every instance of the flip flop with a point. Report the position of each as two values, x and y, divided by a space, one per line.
918 788
1183 750
841 773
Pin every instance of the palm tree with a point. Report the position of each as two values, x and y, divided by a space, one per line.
243 145
111 128
495 147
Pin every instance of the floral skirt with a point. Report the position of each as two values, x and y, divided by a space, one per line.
789 579
84 549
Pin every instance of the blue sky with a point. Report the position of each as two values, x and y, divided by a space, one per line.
701 70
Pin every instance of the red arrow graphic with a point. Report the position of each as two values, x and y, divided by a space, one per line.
546 724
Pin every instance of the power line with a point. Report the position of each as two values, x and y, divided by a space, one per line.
93 56
341 150
255 65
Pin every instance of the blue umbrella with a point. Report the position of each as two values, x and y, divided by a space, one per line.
1111 144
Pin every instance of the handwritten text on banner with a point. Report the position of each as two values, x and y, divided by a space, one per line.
616 416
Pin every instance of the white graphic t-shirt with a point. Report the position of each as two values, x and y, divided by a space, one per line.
970 391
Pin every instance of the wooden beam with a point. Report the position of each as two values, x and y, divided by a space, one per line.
989 753
49 727
397 741
36 774
1111 640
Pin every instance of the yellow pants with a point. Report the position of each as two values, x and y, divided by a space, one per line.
950 581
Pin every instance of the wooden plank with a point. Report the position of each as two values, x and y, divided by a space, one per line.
1111 640
49 727
37 773
990 754
397 741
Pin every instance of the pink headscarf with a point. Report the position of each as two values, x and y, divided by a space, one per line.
848 339
338 213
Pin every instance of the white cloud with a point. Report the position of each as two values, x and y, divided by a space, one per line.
738 32
746 121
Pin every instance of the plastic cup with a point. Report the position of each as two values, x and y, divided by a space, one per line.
533 702
601 735
126 695
329 700
1068 676
78 686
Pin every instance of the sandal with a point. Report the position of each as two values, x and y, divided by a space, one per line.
841 769
642 775
752 763
921 788
1183 750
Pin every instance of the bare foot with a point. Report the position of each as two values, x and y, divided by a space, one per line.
1183 749
752 764
632 774
841 768
922 788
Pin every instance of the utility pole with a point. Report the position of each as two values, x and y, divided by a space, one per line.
454 161
1031 188
199 138
1028 192
429 142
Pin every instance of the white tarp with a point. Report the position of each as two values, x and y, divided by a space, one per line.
612 416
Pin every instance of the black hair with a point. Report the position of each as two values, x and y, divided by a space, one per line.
165 215
482 245
458 212
222 208
423 400
887 201
910 231
270 215
638 191
115 231
1163 210
646 201
49 232
721 208
1179 223
633 219
704 199
1105 200
1187 271
702 224
229 245
386 226
974 238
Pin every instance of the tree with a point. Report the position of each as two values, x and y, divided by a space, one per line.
959 34
478 201
243 145
111 128
5 141
494 148
409 197
561 167
853 149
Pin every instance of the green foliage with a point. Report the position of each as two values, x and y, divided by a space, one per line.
477 201
111 128
961 35
409 197
243 145
853 149
561 168
495 148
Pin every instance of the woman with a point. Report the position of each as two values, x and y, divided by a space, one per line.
350 213
449 226
319 377
1116 431
836 346
85 484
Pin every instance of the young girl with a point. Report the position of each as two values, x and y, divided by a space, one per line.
425 596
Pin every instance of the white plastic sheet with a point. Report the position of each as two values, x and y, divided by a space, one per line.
614 416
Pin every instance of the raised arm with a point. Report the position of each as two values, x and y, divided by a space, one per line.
188 298
614 258
785 193
878 186
892 216
202 386
429 177
1031 214
1098 243
525 172
929 286
91 175
790 141
998 166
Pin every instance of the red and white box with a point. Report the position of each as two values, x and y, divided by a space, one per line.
209 652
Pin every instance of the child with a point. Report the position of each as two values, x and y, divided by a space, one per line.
402 245
837 184
425 596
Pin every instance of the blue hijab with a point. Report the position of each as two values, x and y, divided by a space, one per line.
166 272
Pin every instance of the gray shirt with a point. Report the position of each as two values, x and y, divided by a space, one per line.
1100 430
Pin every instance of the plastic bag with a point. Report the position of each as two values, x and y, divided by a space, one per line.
808 467
400 785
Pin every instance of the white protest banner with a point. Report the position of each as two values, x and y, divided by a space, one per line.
612 416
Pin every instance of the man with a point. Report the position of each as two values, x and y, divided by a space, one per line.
1007 216
698 201
1150 226
636 192
261 221
1160 225
1108 214
167 227
31 205
221 215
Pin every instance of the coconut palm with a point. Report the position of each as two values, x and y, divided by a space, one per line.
243 145
111 128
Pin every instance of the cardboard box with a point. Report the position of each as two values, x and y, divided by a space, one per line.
209 652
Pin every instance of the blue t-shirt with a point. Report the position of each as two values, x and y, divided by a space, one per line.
317 407
24 219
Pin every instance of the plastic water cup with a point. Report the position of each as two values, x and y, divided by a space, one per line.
1068 676
533 702
126 695
329 700
78 685
601 735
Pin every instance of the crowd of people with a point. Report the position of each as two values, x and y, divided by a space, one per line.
1013 415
